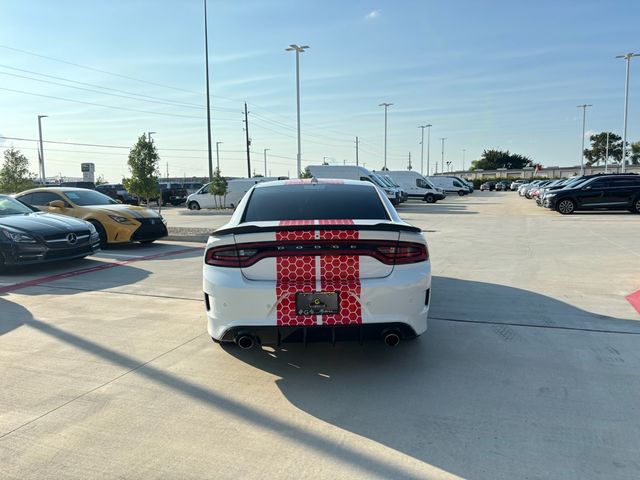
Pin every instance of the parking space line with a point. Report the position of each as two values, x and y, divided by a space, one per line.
97 268
532 325
634 300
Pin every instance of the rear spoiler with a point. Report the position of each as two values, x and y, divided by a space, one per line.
387 227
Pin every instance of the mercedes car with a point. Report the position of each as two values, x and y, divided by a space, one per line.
29 236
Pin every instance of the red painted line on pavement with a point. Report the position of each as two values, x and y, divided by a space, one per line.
634 300
83 271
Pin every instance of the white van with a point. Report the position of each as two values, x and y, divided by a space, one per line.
354 172
235 191
450 184
417 186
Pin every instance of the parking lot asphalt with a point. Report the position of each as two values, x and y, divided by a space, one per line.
529 368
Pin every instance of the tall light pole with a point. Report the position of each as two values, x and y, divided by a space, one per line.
218 155
442 139
206 61
627 58
42 175
428 146
149 136
298 49
386 106
464 151
265 161
584 120
422 151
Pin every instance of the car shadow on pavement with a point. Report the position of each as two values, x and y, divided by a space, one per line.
475 399
60 279
12 316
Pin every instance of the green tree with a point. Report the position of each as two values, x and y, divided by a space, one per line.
15 175
100 180
494 159
634 158
306 173
218 188
143 166
596 154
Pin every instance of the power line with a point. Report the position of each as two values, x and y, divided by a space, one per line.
26 52
99 104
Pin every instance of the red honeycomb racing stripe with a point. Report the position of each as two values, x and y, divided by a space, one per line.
337 273
341 273
294 274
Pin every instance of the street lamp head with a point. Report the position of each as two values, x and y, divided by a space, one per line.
628 55
385 104
297 48
43 116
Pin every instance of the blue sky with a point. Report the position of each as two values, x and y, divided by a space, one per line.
493 74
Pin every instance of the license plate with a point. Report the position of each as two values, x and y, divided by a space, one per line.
317 303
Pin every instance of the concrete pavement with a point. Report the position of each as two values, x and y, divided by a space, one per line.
528 369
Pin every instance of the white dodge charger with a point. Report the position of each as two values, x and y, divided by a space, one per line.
308 260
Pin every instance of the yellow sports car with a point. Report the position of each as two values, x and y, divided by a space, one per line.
116 223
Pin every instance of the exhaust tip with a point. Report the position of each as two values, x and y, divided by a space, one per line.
391 338
245 342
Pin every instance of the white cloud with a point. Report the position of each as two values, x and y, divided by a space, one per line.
372 15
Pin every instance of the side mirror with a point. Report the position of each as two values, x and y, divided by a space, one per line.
56 204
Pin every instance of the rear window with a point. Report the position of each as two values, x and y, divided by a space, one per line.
314 202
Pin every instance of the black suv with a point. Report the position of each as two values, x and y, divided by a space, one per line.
615 192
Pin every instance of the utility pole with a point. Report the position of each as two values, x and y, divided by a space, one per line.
357 151
409 167
218 155
167 171
246 130
42 175
627 57
206 61
265 161
463 154
298 49
584 120
443 139
606 155
386 106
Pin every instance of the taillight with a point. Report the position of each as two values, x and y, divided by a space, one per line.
403 253
230 256
387 252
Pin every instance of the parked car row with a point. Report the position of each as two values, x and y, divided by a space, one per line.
503 185
61 223
586 192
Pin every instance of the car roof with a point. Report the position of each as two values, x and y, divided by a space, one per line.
58 189
309 181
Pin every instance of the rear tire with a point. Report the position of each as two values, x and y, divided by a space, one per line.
566 206
429 198
461 193
636 206
101 232
194 206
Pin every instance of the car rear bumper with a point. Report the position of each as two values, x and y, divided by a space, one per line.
234 303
